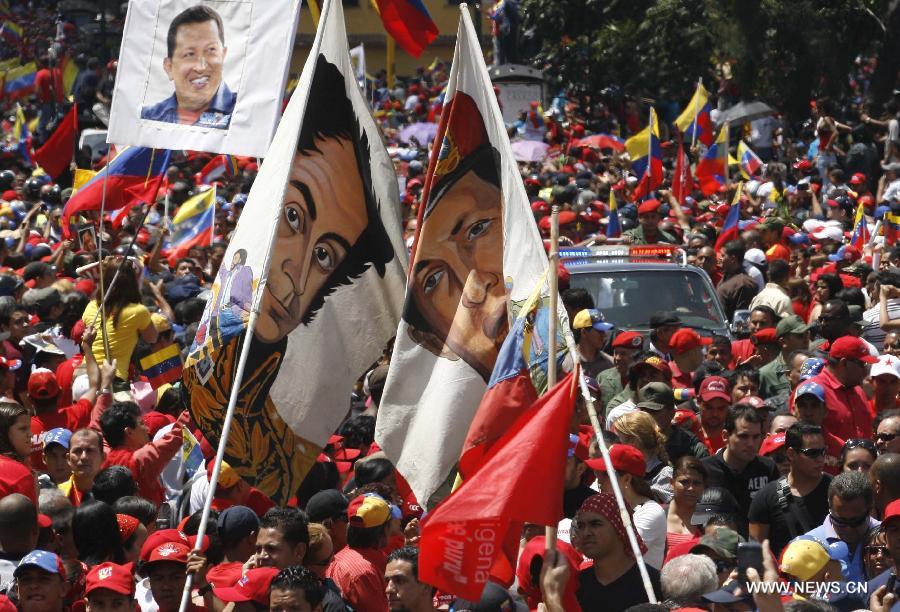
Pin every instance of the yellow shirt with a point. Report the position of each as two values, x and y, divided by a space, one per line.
123 336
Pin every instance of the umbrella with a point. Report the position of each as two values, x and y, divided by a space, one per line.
745 111
529 150
602 141
423 132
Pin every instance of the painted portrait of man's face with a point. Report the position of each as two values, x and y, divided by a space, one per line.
329 230
457 289
194 63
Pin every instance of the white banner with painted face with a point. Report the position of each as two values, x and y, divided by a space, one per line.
477 258
329 291
202 76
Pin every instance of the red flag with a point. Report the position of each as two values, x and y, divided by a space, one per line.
682 181
474 533
56 154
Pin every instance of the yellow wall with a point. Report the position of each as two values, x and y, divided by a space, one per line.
364 26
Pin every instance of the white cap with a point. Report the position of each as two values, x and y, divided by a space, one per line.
755 256
887 364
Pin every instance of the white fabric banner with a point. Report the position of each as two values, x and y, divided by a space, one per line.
329 291
202 76
478 257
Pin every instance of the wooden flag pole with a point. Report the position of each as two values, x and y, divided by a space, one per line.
102 310
550 531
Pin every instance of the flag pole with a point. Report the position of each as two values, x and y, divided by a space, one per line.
391 51
727 129
613 479
550 531
696 112
102 310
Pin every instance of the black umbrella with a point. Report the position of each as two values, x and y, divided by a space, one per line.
745 111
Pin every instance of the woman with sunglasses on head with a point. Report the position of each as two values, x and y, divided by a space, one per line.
858 455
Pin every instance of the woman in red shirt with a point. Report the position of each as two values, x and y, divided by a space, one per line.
15 448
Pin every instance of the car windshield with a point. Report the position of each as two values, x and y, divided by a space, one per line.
628 298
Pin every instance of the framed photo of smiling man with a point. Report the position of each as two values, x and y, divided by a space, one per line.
202 75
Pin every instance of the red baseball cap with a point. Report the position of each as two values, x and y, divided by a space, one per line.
851 347
628 339
686 339
253 586
625 458
858 178
715 387
892 511
170 551
771 444
42 384
767 335
162 536
649 206
111 576
754 401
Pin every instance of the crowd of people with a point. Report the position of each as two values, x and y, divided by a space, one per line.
788 436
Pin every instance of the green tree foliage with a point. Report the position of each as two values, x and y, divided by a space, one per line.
782 51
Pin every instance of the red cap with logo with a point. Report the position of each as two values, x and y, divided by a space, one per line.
170 551
851 347
686 339
625 458
628 339
771 444
715 387
253 586
650 206
111 576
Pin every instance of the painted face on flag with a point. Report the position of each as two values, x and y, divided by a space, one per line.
457 298
195 63
330 230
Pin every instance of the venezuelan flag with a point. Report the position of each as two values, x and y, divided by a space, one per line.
22 136
749 161
135 174
646 156
69 72
11 32
711 168
19 81
695 121
613 228
730 229
163 366
891 228
220 165
408 23
193 224
860 237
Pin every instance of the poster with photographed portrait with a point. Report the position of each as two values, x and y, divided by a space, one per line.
203 75
87 238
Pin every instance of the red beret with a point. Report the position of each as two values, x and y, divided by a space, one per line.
628 339
648 207
765 336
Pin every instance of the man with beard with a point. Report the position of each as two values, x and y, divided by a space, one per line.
329 234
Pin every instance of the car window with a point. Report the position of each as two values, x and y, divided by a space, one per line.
628 298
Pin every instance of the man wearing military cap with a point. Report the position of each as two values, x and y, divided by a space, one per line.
648 232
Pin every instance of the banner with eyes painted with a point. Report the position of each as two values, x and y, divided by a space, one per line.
477 258
318 254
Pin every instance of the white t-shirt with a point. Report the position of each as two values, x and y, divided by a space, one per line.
650 523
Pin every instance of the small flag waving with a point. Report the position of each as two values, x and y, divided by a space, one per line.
730 227
646 157
711 169
135 174
19 81
749 161
860 237
891 228
476 260
163 366
218 166
408 22
318 253
192 224
695 121
56 154
477 528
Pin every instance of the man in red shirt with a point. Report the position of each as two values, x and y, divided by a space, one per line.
849 414
359 568
714 399
130 445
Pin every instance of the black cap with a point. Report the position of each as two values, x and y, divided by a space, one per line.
327 504
715 500
36 269
663 318
10 284
235 523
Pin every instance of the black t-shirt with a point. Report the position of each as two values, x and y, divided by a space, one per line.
744 485
620 594
791 517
